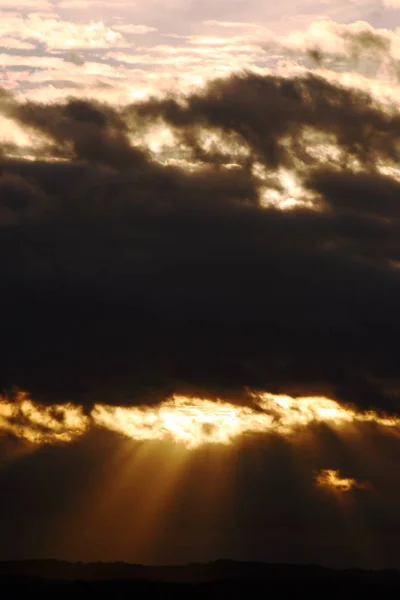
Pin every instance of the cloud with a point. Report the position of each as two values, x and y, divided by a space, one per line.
331 479
231 24
136 29
41 424
354 47
236 104
163 261
74 58
161 62
15 44
93 4
31 5
57 34
188 421
129 279
107 497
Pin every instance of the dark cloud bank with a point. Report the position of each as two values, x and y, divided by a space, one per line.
125 280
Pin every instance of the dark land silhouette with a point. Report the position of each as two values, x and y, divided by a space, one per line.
219 577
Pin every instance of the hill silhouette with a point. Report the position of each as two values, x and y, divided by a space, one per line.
220 576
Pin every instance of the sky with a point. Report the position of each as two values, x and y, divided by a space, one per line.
200 281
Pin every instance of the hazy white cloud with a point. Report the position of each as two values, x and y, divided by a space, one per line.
137 29
392 3
59 64
92 42
44 62
341 38
94 4
23 5
231 24
206 40
15 44
357 47
57 34
202 53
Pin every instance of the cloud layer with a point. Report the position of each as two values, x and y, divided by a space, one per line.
119 49
131 278
187 421
199 201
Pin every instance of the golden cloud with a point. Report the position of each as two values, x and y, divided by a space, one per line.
331 479
188 421
41 424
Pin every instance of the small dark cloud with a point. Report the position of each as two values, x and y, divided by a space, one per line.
316 55
74 58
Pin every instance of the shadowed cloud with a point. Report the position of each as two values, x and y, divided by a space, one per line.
128 279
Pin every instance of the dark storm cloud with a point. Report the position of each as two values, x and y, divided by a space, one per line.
271 115
371 194
126 280
81 130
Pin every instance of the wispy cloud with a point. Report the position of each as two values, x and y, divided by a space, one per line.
57 34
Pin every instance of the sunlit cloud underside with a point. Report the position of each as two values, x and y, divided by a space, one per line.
188 421
332 480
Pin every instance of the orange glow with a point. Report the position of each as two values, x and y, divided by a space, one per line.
41 424
331 478
196 421
188 421
291 413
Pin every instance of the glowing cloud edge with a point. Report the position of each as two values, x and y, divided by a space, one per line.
190 421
